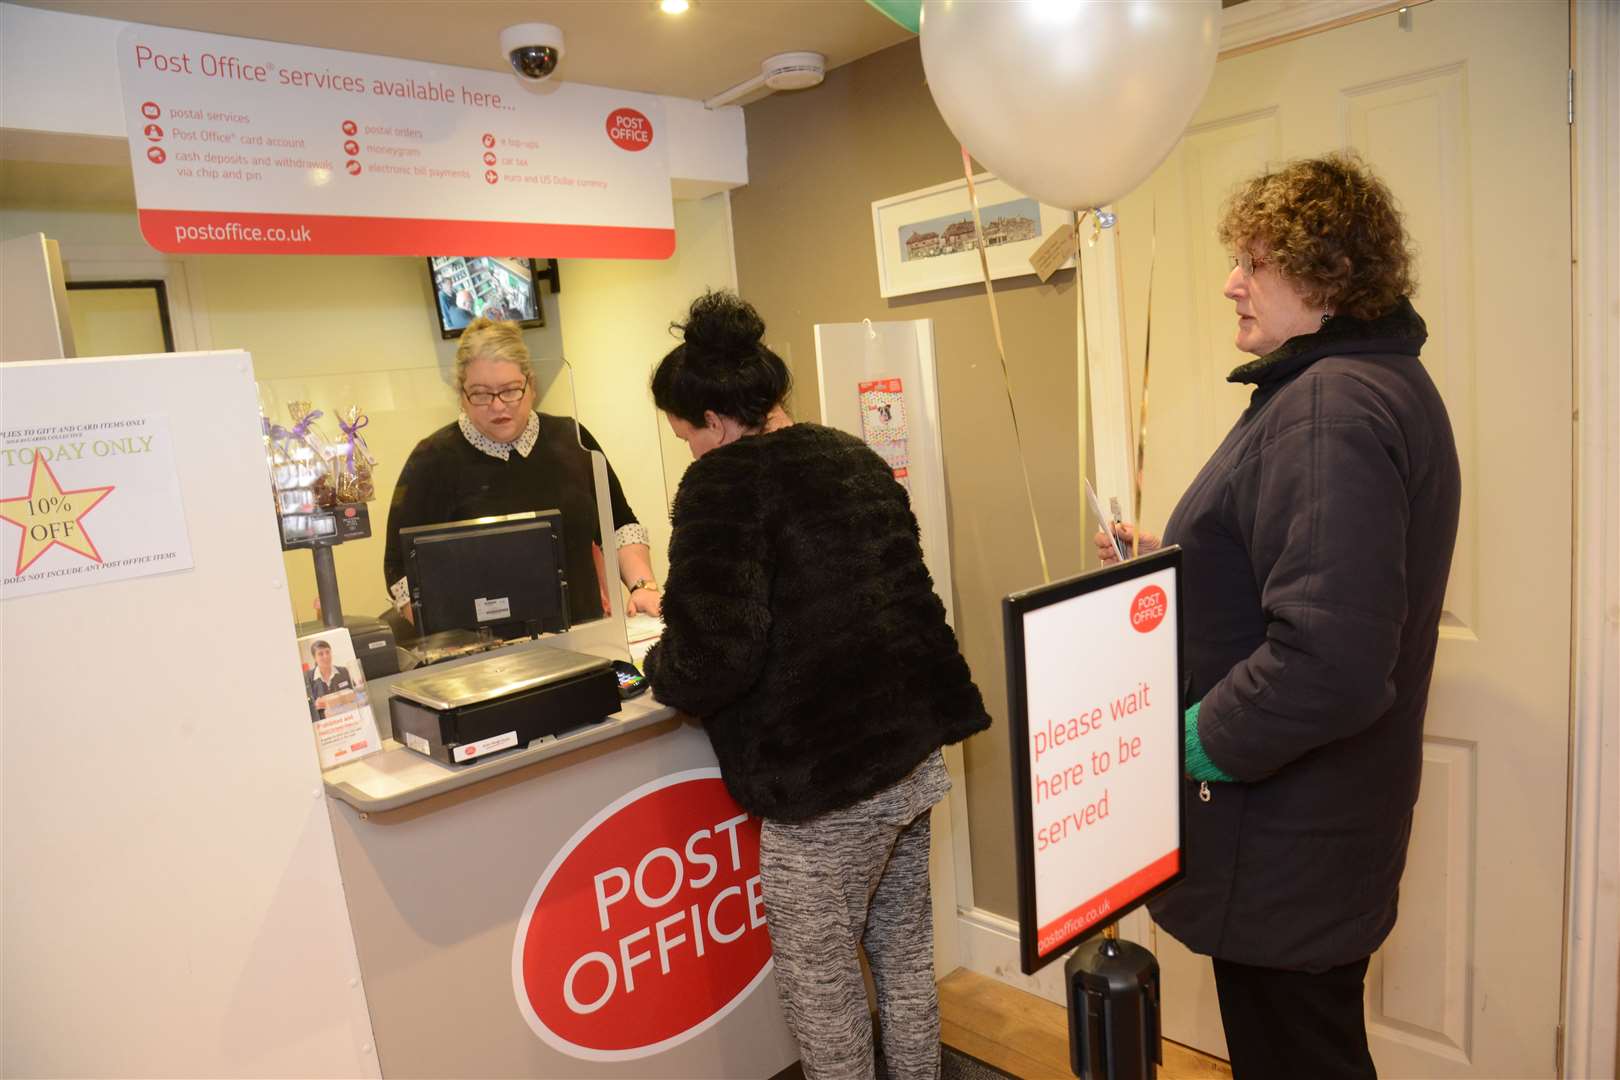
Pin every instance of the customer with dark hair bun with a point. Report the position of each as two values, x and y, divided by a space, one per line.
802 627
722 367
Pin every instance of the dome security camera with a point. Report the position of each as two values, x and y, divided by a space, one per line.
535 49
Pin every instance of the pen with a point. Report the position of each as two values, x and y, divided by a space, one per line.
1102 519
1119 519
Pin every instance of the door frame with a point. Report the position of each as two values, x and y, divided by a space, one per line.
1592 901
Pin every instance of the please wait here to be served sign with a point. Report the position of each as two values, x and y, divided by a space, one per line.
1094 676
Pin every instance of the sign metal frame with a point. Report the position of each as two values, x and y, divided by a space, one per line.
1015 608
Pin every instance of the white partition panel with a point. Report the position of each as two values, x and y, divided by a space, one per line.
33 304
172 904
850 356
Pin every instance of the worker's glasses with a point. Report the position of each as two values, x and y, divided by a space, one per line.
511 395
1248 263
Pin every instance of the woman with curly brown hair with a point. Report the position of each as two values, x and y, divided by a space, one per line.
1316 543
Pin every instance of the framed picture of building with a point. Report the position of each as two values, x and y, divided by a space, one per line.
925 239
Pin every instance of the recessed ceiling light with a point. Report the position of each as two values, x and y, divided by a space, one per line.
673 7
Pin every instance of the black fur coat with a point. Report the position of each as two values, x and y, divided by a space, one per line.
802 626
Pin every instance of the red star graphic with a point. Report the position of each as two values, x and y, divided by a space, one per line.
49 516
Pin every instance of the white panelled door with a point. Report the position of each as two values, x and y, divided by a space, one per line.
1463 114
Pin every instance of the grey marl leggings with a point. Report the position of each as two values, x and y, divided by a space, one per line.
847 878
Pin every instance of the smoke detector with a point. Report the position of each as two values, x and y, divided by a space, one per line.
784 71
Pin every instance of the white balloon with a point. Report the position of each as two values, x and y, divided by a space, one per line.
1073 102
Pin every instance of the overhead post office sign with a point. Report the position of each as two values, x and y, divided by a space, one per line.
242 146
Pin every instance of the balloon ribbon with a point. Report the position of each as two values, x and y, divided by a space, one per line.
1138 476
1083 353
1147 360
1001 353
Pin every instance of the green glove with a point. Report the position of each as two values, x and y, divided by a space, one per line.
1199 767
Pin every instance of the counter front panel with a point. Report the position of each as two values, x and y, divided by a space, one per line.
593 914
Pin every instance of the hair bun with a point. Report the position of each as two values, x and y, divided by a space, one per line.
722 366
722 322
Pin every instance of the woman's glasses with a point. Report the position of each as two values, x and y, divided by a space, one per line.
1248 262
511 395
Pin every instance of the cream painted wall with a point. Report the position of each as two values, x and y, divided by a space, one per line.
342 330
616 317
114 225
333 331
338 331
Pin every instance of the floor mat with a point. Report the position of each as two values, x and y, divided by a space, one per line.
953 1065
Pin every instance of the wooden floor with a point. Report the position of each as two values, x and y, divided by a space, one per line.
1028 1036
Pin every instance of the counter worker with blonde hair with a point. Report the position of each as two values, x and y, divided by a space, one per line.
500 456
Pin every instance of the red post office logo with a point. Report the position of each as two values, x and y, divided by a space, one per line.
1148 609
629 129
648 927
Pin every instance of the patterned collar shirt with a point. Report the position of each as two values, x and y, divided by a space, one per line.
522 444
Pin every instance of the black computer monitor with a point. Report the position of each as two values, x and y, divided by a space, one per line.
506 573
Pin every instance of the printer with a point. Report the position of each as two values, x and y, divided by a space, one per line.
469 711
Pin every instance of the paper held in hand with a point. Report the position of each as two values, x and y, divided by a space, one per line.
1105 522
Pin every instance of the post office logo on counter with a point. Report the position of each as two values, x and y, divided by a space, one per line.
648 926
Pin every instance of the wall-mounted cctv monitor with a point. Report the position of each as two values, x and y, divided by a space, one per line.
485 286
